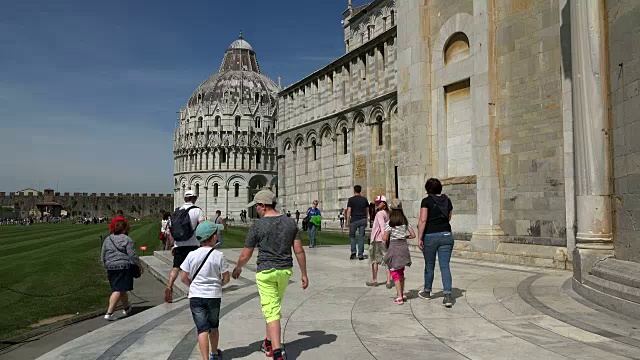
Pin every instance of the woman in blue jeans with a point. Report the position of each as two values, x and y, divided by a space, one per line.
434 232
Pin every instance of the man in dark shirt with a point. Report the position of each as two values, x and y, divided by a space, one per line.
274 235
297 216
357 218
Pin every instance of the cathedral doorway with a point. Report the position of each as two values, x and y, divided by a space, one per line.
255 184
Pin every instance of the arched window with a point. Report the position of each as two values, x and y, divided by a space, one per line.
258 156
199 122
257 98
238 121
314 148
197 189
456 48
380 134
257 123
216 122
236 190
223 156
215 190
344 140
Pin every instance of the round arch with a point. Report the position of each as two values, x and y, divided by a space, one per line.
311 135
377 110
214 178
236 178
326 128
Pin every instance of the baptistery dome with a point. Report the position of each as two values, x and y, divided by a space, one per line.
224 145
238 79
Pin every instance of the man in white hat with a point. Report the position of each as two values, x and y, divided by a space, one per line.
274 235
183 245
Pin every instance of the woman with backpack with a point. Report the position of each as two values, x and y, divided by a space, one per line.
435 237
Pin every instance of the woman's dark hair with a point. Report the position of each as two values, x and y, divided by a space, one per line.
120 227
166 216
397 218
433 186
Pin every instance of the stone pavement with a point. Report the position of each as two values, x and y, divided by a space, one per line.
501 312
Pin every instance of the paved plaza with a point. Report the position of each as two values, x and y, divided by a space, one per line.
500 312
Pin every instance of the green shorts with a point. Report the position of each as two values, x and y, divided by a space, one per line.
271 286
377 251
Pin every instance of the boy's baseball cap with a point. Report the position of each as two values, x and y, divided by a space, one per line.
189 193
381 198
263 197
206 229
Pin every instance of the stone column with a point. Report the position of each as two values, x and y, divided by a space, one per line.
485 150
206 201
594 238
280 160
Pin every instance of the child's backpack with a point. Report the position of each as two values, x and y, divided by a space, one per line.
181 229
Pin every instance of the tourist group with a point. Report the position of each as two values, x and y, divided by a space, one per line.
194 243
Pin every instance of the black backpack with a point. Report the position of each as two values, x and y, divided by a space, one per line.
181 229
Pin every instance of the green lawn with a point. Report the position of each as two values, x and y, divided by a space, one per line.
54 259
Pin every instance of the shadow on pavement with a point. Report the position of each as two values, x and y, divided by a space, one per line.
455 293
313 340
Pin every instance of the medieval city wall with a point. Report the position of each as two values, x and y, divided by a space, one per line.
85 204
624 77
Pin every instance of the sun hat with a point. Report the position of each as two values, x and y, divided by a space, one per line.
263 197
189 193
381 198
395 204
206 229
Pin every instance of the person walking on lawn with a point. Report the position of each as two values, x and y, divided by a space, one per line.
357 218
377 248
184 222
205 271
274 235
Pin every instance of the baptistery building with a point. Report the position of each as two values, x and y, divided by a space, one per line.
224 145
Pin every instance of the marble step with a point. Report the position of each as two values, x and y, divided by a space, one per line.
622 272
160 269
165 256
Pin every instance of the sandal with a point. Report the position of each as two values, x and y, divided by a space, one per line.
372 283
398 301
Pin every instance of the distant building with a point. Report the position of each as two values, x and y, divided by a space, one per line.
225 146
28 192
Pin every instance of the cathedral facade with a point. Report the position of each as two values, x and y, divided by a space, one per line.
224 146
335 125
527 111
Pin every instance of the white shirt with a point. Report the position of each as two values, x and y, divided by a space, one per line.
196 215
164 226
208 282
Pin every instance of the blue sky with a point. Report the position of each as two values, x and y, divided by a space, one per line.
89 90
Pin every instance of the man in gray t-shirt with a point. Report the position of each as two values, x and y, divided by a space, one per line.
274 234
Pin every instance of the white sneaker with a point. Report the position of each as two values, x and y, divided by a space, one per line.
110 317
127 311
